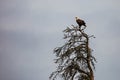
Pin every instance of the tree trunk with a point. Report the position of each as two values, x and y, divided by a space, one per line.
91 75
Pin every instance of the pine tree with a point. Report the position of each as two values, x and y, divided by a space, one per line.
75 60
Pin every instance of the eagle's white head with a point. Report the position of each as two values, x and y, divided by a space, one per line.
76 18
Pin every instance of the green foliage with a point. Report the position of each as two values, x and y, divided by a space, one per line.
74 58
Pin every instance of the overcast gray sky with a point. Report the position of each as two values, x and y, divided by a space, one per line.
31 29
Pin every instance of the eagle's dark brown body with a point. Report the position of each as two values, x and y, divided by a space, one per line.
80 22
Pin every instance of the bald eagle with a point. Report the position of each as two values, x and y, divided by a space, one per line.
80 22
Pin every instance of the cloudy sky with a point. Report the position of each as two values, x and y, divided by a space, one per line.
31 29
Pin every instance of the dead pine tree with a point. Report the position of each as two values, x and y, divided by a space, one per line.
75 60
